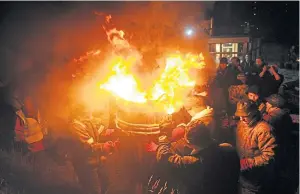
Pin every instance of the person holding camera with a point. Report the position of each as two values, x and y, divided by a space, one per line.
270 80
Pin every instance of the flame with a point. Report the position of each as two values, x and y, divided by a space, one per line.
123 84
167 91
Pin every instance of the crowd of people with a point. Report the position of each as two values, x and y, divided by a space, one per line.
234 136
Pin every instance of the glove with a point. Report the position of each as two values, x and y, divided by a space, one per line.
244 164
108 132
178 133
163 139
151 147
108 147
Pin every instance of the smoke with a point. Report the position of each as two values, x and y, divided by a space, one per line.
39 40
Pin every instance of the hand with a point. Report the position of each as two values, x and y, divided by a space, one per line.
108 132
244 164
151 147
178 133
265 68
240 68
271 69
163 139
108 147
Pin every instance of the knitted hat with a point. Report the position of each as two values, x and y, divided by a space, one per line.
245 109
276 100
253 89
223 60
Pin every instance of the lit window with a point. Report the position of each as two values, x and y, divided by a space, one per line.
254 14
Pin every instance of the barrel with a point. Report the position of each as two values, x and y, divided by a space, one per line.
139 119
131 166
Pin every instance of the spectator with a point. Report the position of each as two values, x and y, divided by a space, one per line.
280 119
236 65
247 65
209 164
256 146
223 80
253 75
254 96
269 80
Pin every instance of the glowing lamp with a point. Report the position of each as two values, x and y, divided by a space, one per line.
189 32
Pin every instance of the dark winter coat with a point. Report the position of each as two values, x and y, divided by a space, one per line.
213 170
282 123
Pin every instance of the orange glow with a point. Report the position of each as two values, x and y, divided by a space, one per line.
168 88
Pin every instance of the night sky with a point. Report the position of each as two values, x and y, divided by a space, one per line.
39 34
274 21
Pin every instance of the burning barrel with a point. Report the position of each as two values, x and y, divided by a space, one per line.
131 166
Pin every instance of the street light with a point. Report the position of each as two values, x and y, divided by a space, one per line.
189 32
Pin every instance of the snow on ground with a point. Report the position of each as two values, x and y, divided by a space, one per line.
289 75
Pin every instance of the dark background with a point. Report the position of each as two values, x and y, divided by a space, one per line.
274 21
35 36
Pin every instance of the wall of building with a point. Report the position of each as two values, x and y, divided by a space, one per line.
274 52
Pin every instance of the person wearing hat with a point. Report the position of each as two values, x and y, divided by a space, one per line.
224 79
253 94
256 146
207 165
238 92
278 117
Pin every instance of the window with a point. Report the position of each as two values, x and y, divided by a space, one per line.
227 50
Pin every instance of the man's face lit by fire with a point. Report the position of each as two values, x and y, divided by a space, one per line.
223 66
253 97
268 107
258 62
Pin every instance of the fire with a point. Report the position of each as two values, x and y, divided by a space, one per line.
168 89
122 84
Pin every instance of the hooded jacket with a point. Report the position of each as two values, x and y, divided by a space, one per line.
201 170
207 117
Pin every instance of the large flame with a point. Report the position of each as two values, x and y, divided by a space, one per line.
167 91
